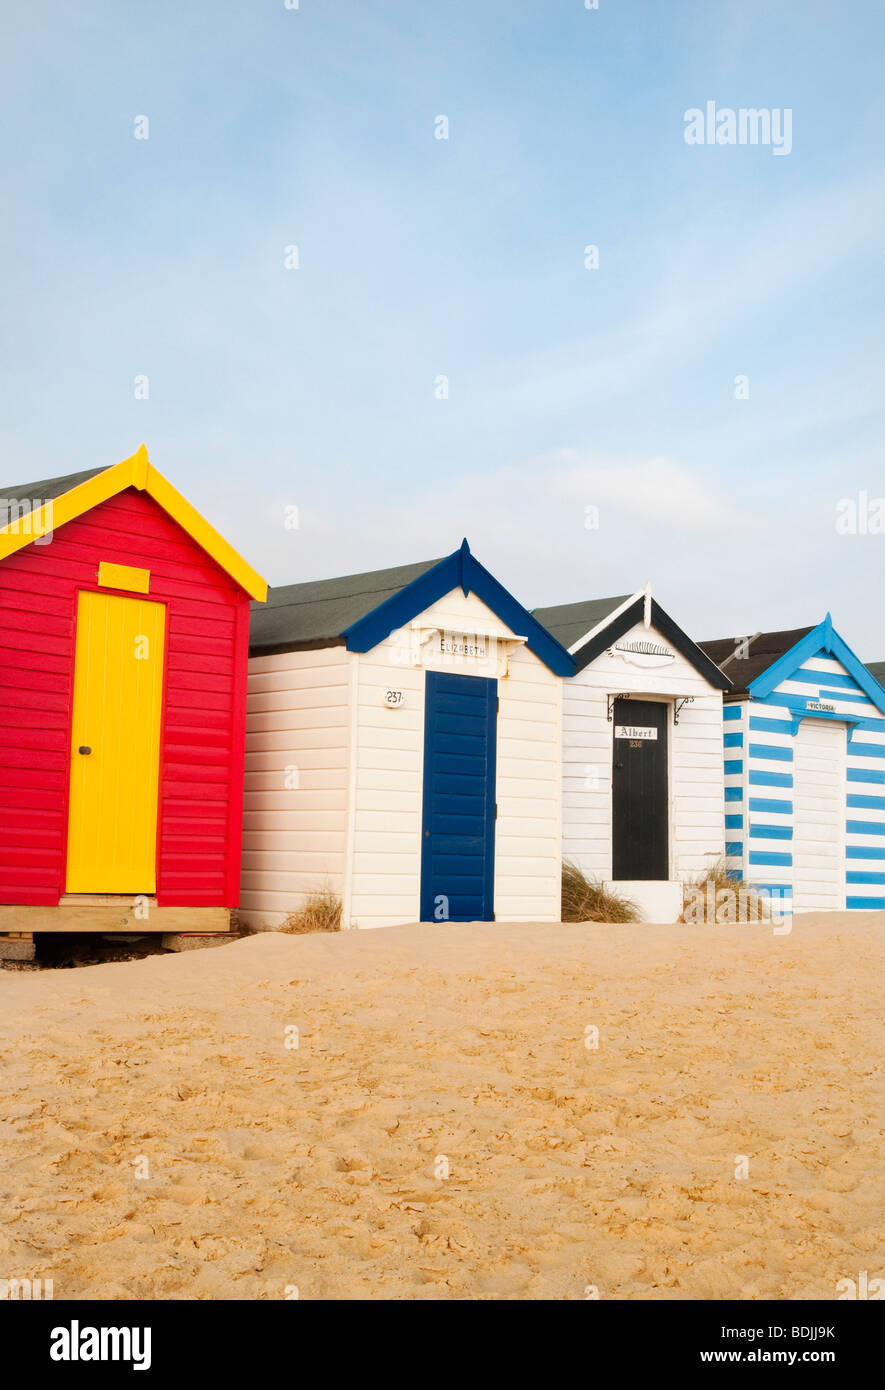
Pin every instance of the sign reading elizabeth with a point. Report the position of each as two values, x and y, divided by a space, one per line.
641 652
462 644
634 731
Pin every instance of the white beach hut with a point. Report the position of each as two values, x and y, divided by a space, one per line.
804 768
403 749
641 749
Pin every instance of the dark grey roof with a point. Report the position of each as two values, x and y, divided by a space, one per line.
877 669
762 651
316 613
569 622
45 490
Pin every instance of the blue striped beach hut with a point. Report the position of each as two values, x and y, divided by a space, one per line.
804 750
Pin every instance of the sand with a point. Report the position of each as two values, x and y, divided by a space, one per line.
458 1049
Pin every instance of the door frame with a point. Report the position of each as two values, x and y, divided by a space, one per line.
669 702
69 731
425 897
842 841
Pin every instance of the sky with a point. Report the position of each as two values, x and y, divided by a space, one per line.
697 410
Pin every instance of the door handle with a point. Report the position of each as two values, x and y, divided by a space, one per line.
84 749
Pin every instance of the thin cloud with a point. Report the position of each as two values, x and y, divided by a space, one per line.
655 489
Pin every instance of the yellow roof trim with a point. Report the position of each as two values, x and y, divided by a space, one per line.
137 472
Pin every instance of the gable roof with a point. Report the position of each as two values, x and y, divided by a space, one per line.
811 641
744 659
300 616
823 638
569 622
50 503
360 610
603 621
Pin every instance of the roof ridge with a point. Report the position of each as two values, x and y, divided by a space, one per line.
18 489
358 574
579 602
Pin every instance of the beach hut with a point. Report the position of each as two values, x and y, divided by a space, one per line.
804 768
124 622
403 750
641 750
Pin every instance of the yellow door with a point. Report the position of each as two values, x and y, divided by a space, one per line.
115 745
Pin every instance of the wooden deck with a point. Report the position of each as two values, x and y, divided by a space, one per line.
84 912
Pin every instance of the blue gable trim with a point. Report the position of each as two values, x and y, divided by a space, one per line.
823 638
461 570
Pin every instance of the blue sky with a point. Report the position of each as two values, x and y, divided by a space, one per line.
568 388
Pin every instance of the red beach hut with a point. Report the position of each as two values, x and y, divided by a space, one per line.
124 631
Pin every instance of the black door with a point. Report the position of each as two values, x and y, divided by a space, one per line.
640 842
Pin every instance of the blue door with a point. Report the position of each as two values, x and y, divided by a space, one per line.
458 831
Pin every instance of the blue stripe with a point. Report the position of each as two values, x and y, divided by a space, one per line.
865 827
771 779
771 832
785 890
771 726
733 766
767 750
870 726
758 856
863 774
866 750
871 904
731 712
733 740
771 806
843 695
733 849
734 822
856 876
734 793
864 852
865 803
822 678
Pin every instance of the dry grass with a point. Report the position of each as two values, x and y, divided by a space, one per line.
747 904
587 900
321 911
